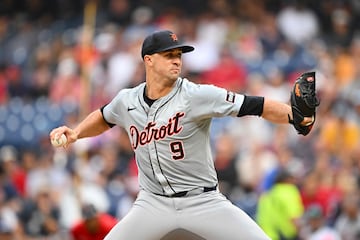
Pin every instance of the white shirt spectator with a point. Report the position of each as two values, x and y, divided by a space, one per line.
298 24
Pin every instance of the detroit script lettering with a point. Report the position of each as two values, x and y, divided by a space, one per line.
150 132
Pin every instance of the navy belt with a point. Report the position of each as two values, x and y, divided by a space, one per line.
194 192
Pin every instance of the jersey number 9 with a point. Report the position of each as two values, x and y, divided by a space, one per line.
177 150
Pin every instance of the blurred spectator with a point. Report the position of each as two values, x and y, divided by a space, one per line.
339 136
276 86
119 11
208 41
119 78
285 160
253 132
4 93
40 215
309 191
256 163
348 222
225 160
46 173
298 23
315 226
345 68
322 187
10 161
10 200
227 73
9 223
105 43
78 191
341 31
16 84
94 225
40 81
246 44
270 36
66 85
40 78
280 209
142 24
28 162
118 160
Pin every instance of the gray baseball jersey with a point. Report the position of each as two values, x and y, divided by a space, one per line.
171 138
171 141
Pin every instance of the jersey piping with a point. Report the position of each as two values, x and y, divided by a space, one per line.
157 155
151 164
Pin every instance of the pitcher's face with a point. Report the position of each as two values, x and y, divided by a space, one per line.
168 64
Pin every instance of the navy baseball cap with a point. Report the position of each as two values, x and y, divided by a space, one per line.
162 41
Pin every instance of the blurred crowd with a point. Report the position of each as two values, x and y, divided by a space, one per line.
59 60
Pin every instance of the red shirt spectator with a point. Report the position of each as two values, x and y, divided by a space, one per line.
93 226
313 191
228 73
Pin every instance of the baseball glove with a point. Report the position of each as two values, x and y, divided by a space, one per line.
303 101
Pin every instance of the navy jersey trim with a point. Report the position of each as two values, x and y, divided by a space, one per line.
252 105
148 100
102 113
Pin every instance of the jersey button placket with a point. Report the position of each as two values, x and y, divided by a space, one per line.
154 156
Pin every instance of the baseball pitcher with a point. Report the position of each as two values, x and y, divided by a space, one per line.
167 119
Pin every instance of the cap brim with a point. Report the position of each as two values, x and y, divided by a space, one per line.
184 48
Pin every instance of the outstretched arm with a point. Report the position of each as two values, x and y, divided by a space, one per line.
276 112
93 125
271 110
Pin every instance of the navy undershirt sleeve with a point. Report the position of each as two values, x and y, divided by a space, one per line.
252 105
102 113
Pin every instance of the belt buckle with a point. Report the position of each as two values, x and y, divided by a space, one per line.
179 194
